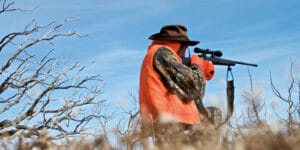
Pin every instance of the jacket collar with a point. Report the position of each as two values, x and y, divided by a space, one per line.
171 44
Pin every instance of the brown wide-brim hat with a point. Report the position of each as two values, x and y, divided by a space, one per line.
174 33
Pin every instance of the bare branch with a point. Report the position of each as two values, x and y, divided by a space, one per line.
275 90
62 114
7 7
49 36
289 99
40 92
255 105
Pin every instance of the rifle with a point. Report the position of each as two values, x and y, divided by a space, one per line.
216 60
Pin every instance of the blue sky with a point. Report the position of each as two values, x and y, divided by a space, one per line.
266 32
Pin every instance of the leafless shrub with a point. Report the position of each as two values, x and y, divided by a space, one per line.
255 103
291 99
7 6
37 90
128 128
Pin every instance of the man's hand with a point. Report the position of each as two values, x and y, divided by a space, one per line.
206 66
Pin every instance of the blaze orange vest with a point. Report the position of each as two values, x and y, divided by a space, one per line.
155 99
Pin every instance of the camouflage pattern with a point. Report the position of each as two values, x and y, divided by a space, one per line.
185 81
214 114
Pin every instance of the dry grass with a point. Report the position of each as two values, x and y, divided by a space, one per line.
258 138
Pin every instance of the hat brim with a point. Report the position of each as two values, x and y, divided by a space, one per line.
158 36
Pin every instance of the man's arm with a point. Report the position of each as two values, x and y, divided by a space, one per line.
186 82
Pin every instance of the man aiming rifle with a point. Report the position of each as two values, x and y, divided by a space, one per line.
169 86
172 87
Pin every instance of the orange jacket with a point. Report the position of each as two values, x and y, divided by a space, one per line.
155 100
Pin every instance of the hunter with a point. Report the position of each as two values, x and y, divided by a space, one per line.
170 84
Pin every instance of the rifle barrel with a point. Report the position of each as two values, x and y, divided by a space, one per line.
228 62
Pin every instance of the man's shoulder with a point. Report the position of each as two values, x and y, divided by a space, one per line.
164 55
164 51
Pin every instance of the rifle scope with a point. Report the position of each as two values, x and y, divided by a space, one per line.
208 51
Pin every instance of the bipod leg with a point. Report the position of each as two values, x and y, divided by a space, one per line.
230 95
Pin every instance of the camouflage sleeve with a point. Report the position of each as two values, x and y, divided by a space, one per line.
186 82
